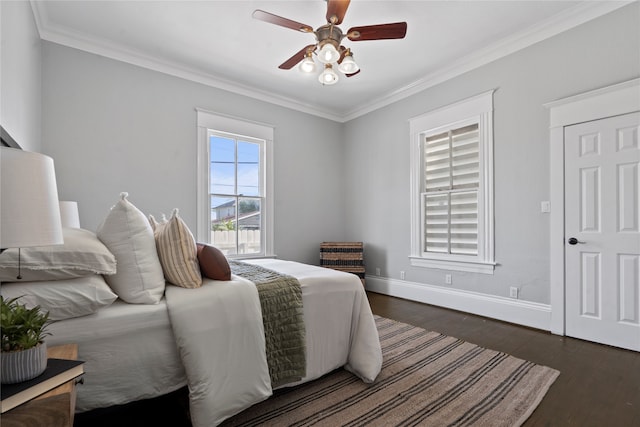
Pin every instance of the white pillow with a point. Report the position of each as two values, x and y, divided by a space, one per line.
63 299
82 254
128 235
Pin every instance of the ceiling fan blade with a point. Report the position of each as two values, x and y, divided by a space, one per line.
296 58
336 9
279 20
352 74
396 30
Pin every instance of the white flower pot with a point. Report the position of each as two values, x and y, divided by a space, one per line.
19 366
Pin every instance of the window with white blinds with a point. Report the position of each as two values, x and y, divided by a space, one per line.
452 187
450 197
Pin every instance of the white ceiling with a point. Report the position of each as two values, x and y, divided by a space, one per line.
218 43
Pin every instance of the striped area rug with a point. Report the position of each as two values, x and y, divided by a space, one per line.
427 379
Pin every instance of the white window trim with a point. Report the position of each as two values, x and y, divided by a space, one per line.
480 107
209 120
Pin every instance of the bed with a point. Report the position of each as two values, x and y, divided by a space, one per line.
131 352
151 316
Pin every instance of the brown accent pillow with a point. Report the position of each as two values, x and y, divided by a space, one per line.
213 263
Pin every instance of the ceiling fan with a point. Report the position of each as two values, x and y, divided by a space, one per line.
328 47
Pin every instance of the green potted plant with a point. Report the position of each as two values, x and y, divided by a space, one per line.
23 352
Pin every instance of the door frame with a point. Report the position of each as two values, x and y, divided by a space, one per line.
614 100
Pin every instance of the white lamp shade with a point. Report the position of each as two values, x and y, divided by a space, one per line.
29 210
69 214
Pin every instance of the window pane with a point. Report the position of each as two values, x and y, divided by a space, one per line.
249 225
437 162
464 223
223 224
248 168
451 163
236 194
465 157
436 223
223 157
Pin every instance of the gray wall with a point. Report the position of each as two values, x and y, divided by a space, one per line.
593 55
114 127
20 88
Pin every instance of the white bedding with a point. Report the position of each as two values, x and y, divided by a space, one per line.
219 332
131 351
339 324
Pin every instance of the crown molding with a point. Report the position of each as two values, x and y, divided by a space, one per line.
559 23
581 13
118 52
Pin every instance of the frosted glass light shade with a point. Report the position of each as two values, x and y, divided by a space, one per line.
328 76
348 65
29 209
307 65
69 215
328 54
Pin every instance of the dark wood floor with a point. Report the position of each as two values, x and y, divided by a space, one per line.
598 385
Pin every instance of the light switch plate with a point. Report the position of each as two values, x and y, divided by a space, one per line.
545 206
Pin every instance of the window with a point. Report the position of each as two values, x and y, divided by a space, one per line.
450 195
452 187
235 185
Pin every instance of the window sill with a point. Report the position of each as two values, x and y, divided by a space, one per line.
470 267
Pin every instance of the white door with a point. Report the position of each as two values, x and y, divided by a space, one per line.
602 225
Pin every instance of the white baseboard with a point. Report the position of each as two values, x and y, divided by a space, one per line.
531 314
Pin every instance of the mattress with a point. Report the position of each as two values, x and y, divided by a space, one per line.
130 351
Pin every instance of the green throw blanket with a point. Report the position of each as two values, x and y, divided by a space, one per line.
282 316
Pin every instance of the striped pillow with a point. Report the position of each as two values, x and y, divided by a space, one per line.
177 251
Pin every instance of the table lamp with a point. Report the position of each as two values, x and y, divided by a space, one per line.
29 209
69 215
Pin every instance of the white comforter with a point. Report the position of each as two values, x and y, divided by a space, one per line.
220 337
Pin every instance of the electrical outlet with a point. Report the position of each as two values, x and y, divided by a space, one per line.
513 292
402 275
447 279
377 271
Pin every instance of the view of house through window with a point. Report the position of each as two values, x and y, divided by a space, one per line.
236 193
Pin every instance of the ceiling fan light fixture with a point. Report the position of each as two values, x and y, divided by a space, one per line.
348 65
328 38
328 54
307 65
328 76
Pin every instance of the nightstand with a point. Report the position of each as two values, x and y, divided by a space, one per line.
53 409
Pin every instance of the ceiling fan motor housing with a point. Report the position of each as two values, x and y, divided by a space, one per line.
329 34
